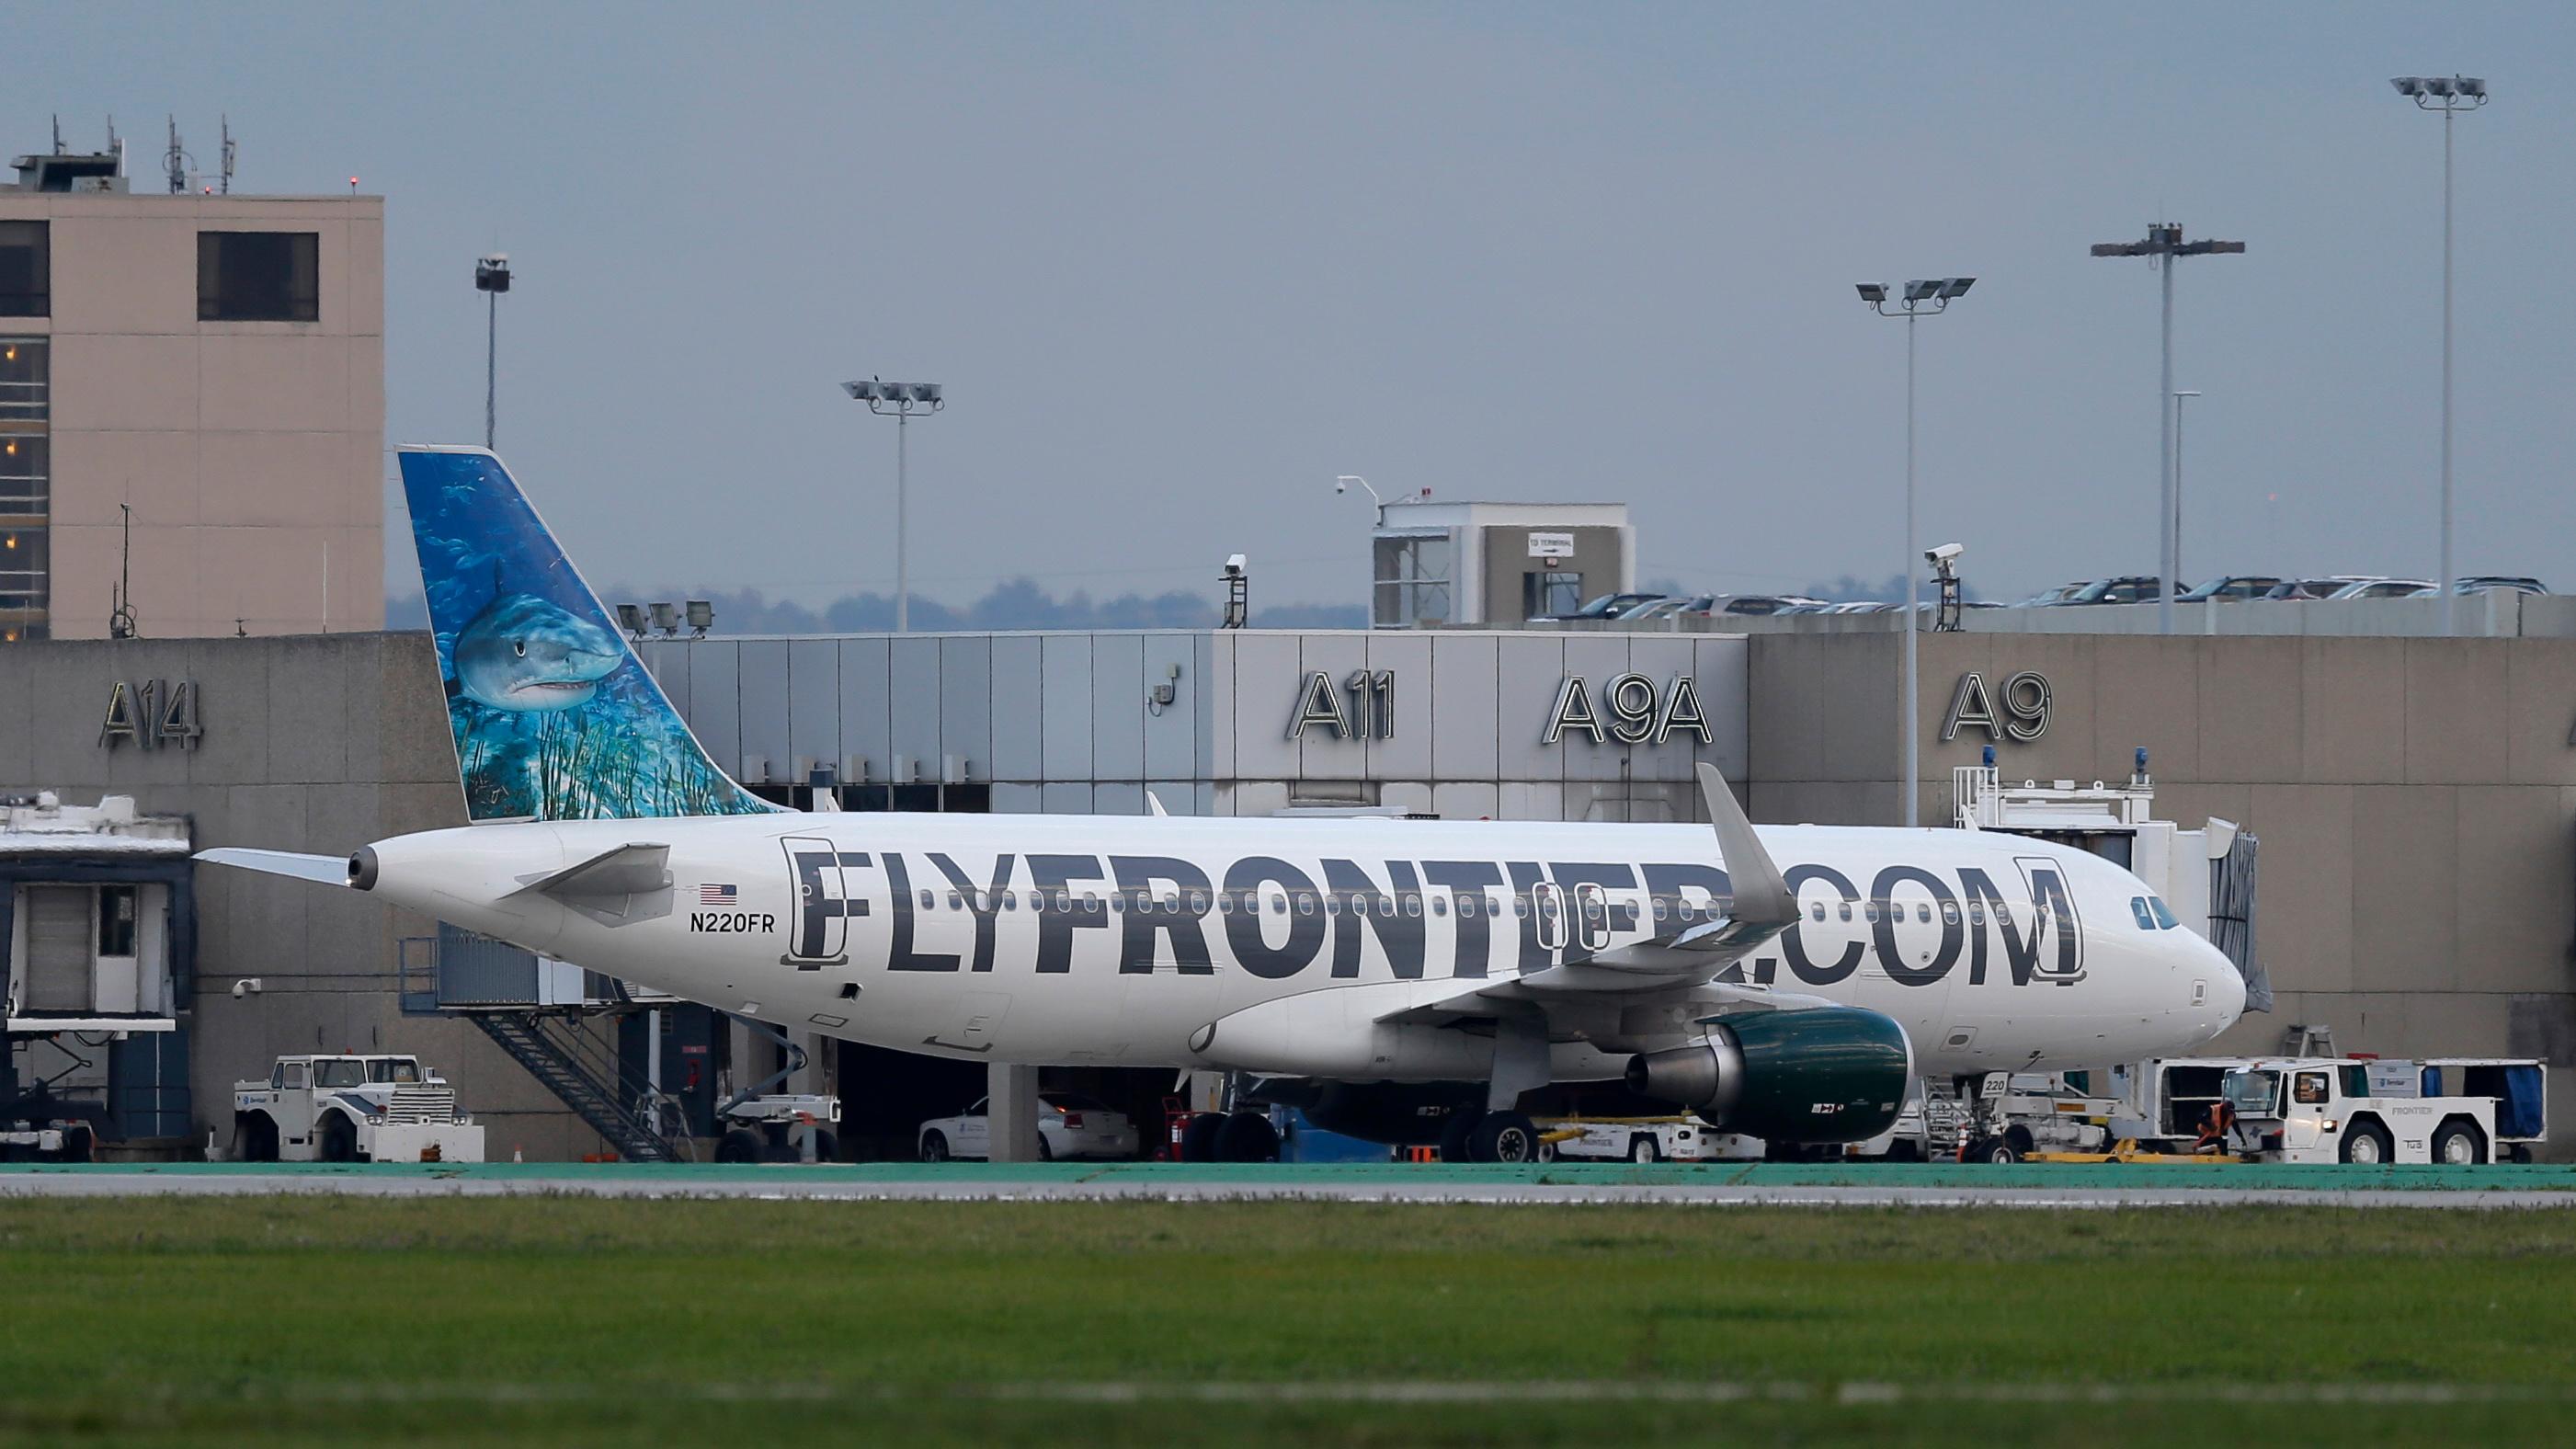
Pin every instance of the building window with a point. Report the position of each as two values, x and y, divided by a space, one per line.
24 481
23 378
116 920
258 276
1548 595
1412 580
23 575
26 269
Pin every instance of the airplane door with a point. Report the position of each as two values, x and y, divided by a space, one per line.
821 934
2056 929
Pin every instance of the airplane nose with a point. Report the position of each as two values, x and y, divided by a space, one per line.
2226 988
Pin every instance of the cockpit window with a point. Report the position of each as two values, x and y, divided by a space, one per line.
2138 908
340 1072
2164 913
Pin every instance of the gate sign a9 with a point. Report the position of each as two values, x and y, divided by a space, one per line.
2024 716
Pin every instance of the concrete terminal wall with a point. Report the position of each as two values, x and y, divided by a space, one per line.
315 743
2415 799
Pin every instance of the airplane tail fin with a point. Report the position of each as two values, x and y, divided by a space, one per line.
554 716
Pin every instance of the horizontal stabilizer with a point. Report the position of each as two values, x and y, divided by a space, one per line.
323 869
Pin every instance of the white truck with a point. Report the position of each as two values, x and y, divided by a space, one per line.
2330 1109
351 1108
1641 1139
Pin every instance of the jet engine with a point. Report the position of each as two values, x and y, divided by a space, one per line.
1821 1074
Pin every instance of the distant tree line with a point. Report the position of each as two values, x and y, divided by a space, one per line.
1013 604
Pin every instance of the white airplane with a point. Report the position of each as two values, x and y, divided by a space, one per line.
1399 980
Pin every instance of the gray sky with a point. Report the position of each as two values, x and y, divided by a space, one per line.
1179 266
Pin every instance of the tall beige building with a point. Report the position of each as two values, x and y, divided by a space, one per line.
215 364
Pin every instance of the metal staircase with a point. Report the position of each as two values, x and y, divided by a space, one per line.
584 1077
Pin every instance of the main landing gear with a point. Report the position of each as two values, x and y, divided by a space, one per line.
1469 1134
1229 1137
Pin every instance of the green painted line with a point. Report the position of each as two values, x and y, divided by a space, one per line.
2328 1177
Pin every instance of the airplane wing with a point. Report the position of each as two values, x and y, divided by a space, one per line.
1694 964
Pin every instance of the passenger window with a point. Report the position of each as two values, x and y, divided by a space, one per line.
1949 913
294 1076
1225 903
2138 908
1820 910
1305 904
1412 904
1977 912
1846 910
1198 904
2308 1089
929 901
1869 910
1090 902
1439 906
1010 900
1923 913
1520 907
2356 1081
956 902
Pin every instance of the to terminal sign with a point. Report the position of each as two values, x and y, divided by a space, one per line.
1551 545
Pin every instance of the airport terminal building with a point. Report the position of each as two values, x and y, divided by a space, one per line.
2415 798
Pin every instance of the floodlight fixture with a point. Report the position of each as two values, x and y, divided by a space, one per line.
1922 291
666 617
1956 287
633 619
702 616
1873 292
2448 96
899 401
492 273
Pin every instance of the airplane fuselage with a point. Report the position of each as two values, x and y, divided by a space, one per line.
1072 940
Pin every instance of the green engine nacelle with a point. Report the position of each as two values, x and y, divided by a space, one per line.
1822 1074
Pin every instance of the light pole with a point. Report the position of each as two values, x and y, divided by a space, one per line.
491 278
2450 95
2163 246
1920 299
899 401
2175 583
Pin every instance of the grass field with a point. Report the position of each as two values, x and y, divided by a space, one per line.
264 1321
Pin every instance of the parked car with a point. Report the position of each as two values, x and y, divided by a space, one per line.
2230 589
1759 605
1667 608
1608 606
2322 588
2381 589
2058 595
2125 589
1070 1125
2489 584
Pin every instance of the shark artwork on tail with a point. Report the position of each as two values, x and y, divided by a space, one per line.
554 717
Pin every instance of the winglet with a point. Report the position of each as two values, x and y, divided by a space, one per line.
1762 897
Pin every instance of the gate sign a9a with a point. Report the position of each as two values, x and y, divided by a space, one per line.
2024 716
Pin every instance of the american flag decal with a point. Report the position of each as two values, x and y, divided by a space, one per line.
716 895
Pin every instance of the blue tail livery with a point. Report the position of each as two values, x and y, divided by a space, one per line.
554 716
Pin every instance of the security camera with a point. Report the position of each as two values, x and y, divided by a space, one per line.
247 986
1234 566
1341 485
1945 553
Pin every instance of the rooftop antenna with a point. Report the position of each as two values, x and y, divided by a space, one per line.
58 133
174 162
120 616
228 156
